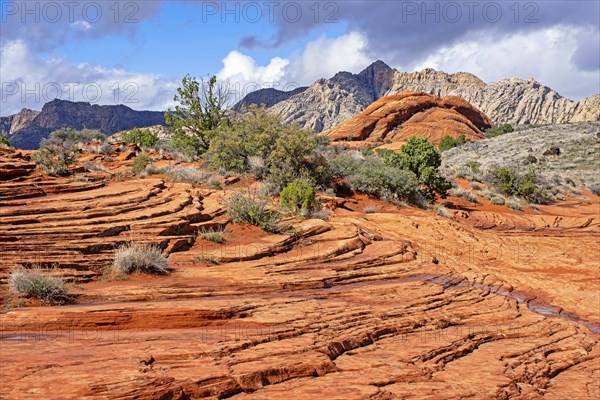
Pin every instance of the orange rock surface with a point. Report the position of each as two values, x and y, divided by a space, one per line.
394 119
402 303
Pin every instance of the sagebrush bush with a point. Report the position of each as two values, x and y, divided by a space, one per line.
37 284
189 174
138 258
254 209
55 160
376 178
442 211
69 137
370 209
595 189
298 195
465 194
498 200
140 162
514 204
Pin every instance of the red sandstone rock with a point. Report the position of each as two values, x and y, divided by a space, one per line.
396 118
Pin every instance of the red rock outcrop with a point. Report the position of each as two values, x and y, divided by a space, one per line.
489 303
398 117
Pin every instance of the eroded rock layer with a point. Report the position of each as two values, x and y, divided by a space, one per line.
398 117
489 303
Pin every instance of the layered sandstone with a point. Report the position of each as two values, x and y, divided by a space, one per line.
393 119
489 303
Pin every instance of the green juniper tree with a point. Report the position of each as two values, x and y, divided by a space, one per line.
201 110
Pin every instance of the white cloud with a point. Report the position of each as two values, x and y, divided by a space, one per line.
321 58
545 55
31 81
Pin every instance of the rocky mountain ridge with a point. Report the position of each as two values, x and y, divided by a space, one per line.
26 129
329 102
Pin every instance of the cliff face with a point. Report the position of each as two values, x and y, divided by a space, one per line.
9 125
328 102
65 114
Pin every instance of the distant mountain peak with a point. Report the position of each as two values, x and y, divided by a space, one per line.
56 114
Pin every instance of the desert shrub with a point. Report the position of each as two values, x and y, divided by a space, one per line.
475 186
189 174
94 166
370 209
498 200
423 159
186 144
498 130
69 137
346 163
37 284
106 149
260 143
298 195
140 162
595 189
138 258
141 137
442 211
376 178
449 142
514 204
4 141
254 209
465 194
55 160
510 182
213 235
321 213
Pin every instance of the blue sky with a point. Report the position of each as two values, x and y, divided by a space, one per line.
136 52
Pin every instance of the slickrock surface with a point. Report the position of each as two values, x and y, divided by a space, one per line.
394 119
490 303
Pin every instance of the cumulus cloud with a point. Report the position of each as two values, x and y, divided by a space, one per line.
29 81
321 58
546 55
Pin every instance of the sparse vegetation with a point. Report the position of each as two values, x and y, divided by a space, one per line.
370 209
298 196
498 200
465 194
4 142
253 208
510 182
213 235
141 137
140 162
514 204
261 143
69 137
140 258
442 211
55 160
423 159
449 142
35 283
498 130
